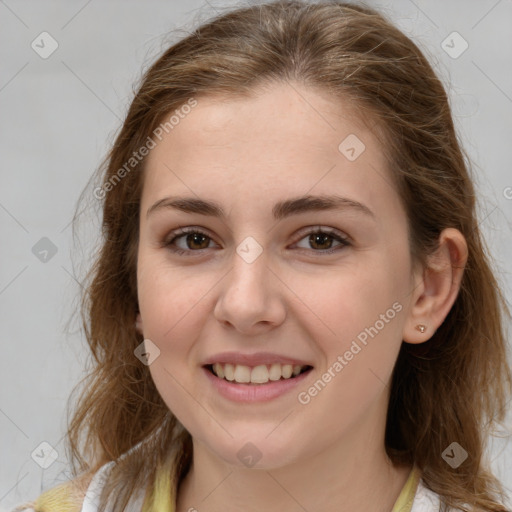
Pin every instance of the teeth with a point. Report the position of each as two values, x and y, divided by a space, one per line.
260 374
229 372
219 371
242 373
287 371
275 371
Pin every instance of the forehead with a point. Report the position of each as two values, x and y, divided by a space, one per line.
283 138
279 115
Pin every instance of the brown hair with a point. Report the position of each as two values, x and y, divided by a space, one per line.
450 388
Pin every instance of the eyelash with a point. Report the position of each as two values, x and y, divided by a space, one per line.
187 231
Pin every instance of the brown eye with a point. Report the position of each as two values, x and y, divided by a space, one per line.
321 241
197 241
188 241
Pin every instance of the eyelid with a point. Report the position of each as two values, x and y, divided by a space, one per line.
307 230
181 232
341 237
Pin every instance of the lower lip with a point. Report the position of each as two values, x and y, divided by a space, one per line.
254 392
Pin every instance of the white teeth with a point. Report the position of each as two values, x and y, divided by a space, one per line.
219 371
275 371
242 373
260 374
229 372
287 370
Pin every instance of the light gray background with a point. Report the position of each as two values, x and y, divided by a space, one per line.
58 116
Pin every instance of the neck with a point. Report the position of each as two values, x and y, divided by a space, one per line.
353 475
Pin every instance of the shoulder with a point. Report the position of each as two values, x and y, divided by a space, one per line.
425 500
79 495
429 501
66 497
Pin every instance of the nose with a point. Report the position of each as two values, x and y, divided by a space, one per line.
250 298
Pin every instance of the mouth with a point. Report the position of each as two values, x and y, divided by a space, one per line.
257 375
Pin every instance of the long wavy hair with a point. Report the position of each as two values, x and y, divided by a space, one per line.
454 387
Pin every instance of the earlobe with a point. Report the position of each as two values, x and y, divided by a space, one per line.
438 287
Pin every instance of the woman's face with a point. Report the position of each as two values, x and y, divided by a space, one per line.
256 291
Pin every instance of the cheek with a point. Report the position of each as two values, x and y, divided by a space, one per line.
361 319
172 310
169 299
360 349
345 301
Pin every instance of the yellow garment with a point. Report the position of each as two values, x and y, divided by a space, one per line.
65 498
62 498
408 492
163 497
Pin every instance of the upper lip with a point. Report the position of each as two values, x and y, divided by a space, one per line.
259 358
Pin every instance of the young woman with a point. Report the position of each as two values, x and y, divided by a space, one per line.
292 308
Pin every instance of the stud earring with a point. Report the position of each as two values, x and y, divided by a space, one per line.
420 327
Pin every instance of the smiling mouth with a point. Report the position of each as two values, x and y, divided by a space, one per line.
261 374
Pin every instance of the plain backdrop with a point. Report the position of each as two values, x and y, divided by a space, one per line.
60 113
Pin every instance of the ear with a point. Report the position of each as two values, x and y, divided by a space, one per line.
436 287
138 324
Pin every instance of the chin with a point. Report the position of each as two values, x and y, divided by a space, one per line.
255 452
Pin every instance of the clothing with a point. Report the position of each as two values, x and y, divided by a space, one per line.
414 497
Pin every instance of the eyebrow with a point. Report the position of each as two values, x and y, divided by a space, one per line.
280 210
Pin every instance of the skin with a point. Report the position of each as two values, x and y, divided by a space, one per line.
294 299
